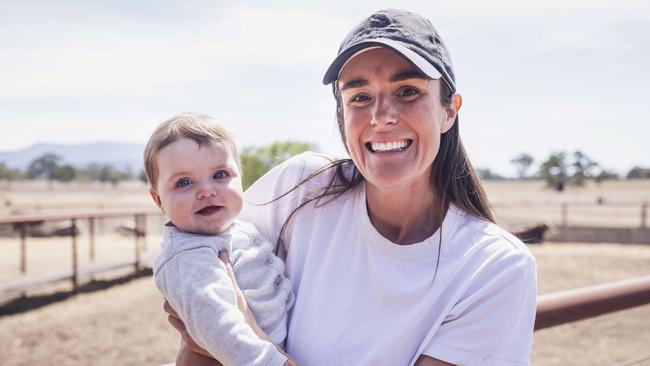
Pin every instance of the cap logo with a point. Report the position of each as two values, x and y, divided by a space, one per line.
379 21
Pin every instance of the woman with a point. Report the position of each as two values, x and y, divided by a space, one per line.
394 254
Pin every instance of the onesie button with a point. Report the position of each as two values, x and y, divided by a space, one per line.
258 241
277 280
269 260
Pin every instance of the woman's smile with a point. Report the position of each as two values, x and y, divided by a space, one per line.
389 146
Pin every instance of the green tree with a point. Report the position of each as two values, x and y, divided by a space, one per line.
638 173
258 160
583 168
522 163
91 172
7 173
554 170
606 175
487 174
43 167
109 173
64 173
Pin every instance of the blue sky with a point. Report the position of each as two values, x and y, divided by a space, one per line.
536 76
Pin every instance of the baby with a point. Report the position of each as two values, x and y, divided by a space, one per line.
195 179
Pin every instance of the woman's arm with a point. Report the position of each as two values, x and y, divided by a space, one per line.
428 361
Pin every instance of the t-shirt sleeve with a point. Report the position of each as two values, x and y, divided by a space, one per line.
493 322
269 202
197 286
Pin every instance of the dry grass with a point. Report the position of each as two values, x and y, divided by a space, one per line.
125 324
520 203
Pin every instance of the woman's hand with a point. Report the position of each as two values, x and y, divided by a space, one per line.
187 357
188 344
240 300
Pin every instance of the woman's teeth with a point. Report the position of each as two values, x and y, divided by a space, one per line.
388 146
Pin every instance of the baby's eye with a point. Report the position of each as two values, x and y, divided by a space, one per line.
221 174
183 182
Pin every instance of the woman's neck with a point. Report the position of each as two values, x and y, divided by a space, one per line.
405 214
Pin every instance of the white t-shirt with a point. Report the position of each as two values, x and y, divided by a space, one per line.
363 300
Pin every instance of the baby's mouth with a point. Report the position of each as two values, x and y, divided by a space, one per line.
209 210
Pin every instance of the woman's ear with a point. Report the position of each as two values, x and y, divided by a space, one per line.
452 112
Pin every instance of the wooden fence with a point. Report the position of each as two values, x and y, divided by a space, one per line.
564 214
552 309
21 223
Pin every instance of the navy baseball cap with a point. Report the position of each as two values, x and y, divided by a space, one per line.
408 34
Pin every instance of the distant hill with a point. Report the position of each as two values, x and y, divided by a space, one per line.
121 155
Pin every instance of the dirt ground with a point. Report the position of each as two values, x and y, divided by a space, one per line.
125 324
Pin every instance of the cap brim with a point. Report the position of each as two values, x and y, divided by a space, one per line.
418 61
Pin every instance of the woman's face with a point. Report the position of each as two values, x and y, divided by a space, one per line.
393 119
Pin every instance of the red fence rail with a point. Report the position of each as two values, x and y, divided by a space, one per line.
586 302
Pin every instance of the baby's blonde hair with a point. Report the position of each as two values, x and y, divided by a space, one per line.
202 129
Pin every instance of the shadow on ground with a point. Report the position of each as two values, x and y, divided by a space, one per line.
27 303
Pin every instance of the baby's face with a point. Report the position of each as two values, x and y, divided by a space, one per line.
199 188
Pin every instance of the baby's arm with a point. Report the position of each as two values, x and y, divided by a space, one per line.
196 284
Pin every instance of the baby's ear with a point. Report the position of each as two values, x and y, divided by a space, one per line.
156 198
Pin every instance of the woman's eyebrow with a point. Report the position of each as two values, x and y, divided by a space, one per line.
354 83
411 74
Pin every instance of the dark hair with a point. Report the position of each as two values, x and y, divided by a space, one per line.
452 175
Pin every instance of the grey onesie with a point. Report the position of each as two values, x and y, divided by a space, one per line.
194 281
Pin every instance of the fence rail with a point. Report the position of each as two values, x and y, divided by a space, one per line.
22 221
586 302
552 309
564 214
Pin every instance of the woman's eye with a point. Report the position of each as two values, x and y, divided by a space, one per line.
408 92
221 174
183 182
361 98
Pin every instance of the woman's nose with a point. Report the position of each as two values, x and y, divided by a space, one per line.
383 113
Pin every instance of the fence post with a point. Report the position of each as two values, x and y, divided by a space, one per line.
565 214
644 214
75 269
91 233
143 231
23 248
137 242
